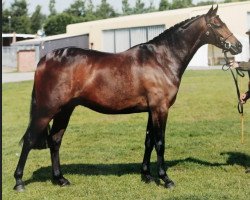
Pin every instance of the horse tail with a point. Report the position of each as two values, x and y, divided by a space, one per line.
43 138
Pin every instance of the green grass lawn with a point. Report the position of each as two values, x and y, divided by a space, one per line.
101 154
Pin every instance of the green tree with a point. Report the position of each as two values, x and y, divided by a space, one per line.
229 1
164 5
151 7
52 8
20 21
203 3
181 4
6 22
77 8
105 10
139 7
19 8
37 19
126 9
57 23
89 13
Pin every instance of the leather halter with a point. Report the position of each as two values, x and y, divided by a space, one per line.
218 37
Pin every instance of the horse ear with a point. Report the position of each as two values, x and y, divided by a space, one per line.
209 13
215 11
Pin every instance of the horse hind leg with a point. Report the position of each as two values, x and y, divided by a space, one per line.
34 133
20 166
59 126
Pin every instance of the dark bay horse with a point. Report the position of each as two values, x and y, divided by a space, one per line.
145 78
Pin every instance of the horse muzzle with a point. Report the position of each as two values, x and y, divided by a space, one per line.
233 48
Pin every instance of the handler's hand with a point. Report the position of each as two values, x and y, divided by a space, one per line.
234 64
243 98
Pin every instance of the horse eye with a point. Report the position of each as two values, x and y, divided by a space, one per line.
216 25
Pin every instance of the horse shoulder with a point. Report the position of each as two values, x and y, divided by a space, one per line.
159 83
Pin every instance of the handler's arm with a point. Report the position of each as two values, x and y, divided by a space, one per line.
244 66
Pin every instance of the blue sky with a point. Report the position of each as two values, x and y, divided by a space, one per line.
61 5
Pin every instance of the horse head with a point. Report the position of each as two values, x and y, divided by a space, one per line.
218 34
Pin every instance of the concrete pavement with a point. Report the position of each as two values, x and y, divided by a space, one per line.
9 75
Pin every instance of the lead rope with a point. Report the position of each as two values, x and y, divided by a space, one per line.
242 118
227 67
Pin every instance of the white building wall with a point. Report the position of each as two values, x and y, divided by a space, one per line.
200 59
245 54
121 40
109 43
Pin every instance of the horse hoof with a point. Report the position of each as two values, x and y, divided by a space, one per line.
169 184
19 188
64 183
147 178
61 182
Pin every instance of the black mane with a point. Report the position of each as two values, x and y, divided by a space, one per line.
183 24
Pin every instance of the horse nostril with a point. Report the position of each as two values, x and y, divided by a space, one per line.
239 45
227 45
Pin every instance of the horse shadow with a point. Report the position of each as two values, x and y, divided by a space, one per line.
43 174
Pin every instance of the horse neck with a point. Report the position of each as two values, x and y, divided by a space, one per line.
181 45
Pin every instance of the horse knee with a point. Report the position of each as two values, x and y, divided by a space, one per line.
36 140
148 143
160 147
56 139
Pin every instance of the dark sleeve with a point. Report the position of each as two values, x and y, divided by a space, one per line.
248 94
244 66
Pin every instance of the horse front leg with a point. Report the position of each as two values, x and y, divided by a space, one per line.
159 118
149 145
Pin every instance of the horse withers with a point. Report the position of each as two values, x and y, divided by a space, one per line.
145 78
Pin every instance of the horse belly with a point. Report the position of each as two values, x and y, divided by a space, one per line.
113 100
114 104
